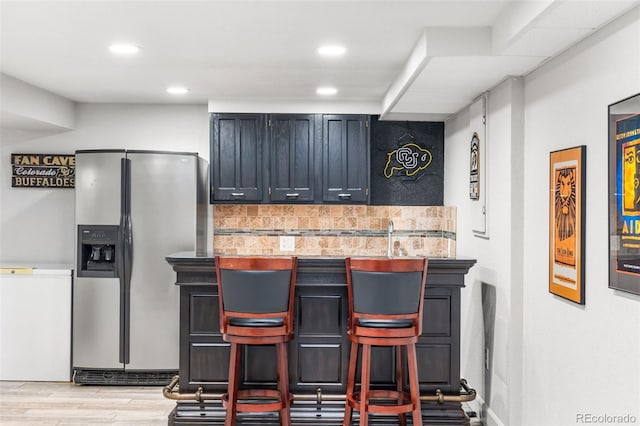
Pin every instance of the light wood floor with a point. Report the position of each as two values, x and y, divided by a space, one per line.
47 403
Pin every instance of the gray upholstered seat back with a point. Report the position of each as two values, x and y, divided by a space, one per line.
257 291
386 293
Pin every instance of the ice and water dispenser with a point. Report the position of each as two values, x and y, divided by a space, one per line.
97 245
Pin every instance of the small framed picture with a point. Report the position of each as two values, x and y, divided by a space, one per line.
474 167
567 223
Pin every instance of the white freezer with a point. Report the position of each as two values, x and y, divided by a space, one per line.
35 324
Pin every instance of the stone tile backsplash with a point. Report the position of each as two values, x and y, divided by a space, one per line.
334 230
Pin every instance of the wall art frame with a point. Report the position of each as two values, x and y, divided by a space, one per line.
43 170
624 194
567 189
474 167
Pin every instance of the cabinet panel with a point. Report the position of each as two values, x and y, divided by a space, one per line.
382 365
436 316
320 350
333 149
249 144
236 157
205 314
345 158
356 148
209 363
320 364
319 315
434 364
259 364
291 168
226 154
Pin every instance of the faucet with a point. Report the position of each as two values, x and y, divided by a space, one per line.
389 233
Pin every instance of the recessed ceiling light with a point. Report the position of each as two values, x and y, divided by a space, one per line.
124 49
332 50
177 90
326 91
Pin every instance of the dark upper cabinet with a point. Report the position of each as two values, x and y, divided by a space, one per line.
236 157
306 158
345 158
291 158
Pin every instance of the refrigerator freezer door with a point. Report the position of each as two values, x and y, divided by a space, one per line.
98 187
163 215
96 301
96 323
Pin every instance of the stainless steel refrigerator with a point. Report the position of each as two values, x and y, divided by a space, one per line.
133 208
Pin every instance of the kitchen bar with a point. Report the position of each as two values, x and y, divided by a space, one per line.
318 354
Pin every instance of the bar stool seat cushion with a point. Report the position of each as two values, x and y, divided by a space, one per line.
262 322
384 323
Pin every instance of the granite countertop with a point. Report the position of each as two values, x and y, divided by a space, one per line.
191 256
196 269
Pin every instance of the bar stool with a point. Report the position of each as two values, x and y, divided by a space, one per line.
385 309
256 296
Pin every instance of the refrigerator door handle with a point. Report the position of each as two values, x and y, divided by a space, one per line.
120 262
126 250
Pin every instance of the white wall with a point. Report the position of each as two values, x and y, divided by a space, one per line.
552 359
37 225
499 257
589 356
23 103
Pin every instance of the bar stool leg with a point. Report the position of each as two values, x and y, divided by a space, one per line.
351 383
232 389
283 383
413 383
364 390
400 383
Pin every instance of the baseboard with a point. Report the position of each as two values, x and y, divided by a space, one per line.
489 417
475 405
484 413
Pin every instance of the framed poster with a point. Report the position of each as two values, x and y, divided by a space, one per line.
566 223
624 195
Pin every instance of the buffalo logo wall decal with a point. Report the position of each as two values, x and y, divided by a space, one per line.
407 160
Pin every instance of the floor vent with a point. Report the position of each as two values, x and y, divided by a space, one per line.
123 377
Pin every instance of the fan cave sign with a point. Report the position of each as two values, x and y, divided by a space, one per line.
43 170
407 161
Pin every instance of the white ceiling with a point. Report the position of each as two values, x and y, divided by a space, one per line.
418 59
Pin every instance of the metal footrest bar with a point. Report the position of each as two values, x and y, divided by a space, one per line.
171 392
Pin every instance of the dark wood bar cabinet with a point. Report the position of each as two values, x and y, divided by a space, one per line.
319 352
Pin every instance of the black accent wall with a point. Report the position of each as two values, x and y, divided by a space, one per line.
399 186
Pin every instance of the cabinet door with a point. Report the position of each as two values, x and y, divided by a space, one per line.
345 158
291 162
236 157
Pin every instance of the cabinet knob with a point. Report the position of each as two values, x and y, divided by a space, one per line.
293 195
237 194
344 195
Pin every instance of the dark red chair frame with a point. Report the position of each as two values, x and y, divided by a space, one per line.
281 399
405 336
